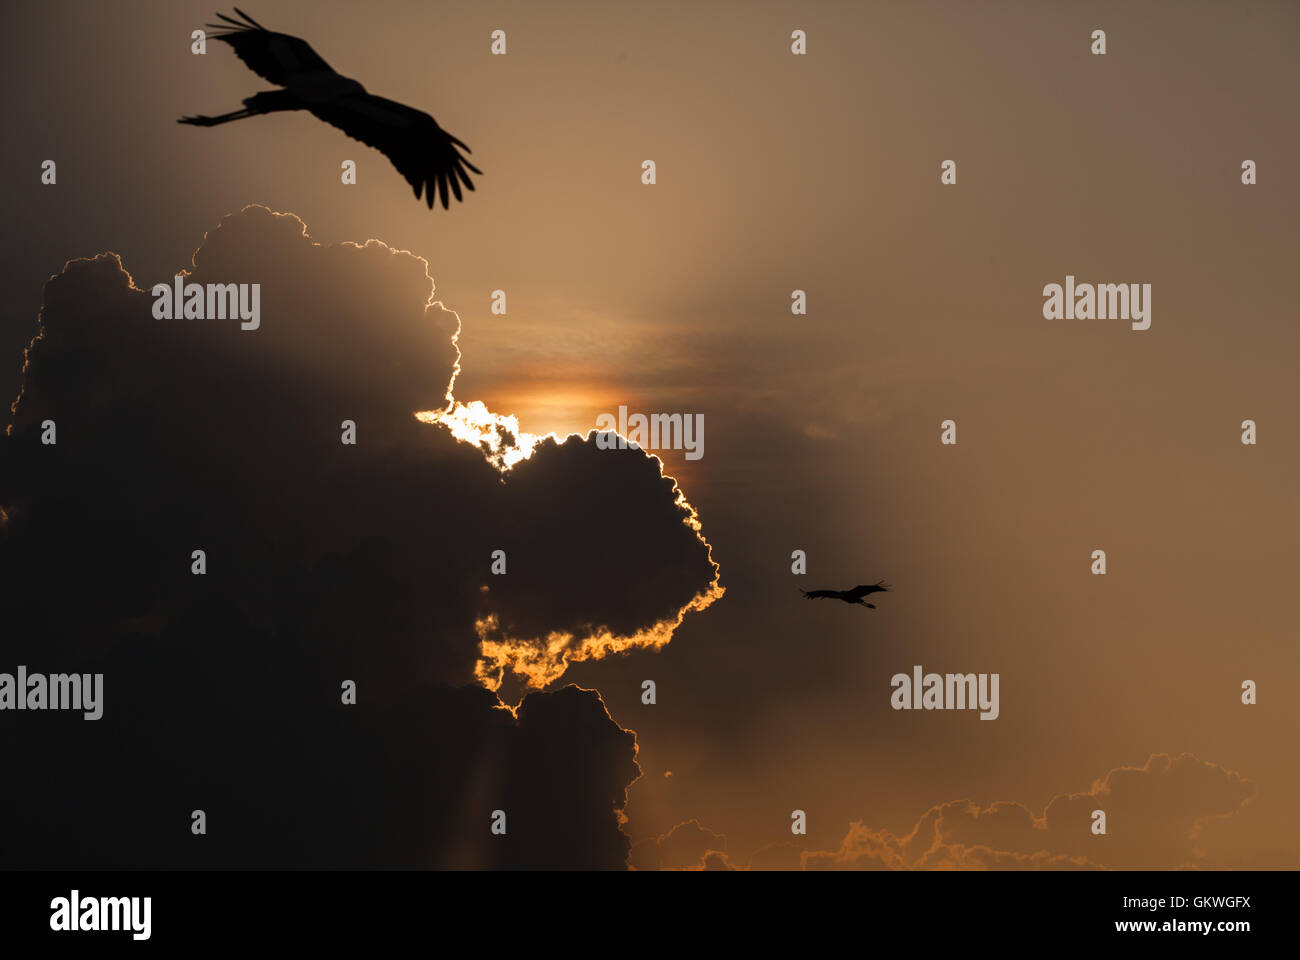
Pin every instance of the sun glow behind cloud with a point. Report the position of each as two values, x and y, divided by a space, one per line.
497 436
540 661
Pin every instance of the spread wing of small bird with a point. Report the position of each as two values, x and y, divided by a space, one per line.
857 595
425 154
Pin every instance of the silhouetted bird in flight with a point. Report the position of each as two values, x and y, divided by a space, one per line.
421 150
855 595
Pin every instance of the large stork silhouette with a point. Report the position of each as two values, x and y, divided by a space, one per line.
855 596
422 151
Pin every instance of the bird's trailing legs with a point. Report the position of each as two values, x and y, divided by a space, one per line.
266 102
223 118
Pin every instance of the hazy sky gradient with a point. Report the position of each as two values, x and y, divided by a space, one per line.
820 173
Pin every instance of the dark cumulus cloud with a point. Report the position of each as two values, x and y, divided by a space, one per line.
326 563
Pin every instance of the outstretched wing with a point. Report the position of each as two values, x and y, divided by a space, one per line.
816 594
422 151
272 56
857 593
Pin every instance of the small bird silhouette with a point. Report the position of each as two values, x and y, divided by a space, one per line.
854 596
422 151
